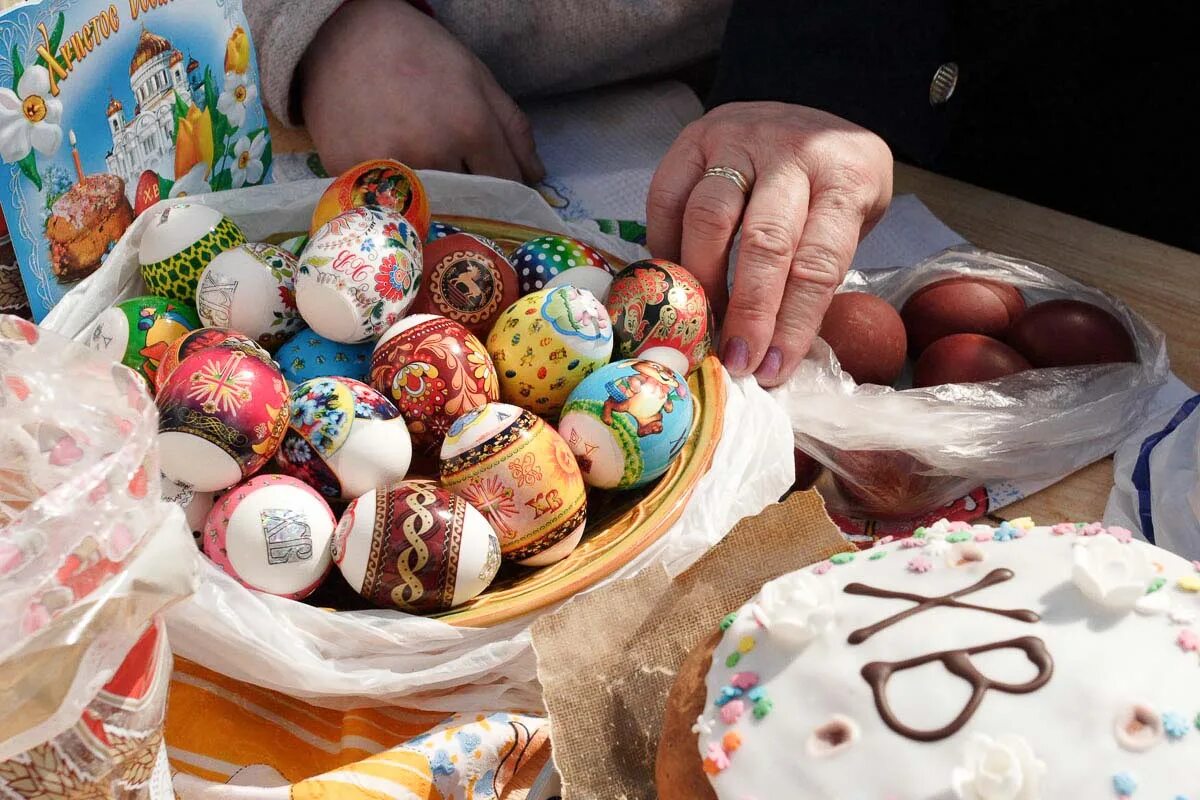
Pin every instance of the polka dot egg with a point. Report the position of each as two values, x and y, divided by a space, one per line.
538 261
546 343
440 230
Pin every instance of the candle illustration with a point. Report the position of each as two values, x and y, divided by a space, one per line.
75 154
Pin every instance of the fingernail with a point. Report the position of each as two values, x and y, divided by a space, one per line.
768 370
736 355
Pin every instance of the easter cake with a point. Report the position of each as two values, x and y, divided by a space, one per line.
84 223
970 662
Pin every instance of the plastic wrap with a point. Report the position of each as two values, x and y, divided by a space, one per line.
89 556
899 452
342 659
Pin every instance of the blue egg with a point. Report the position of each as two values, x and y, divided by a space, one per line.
627 422
307 355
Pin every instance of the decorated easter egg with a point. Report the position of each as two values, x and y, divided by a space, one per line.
295 244
307 355
440 230
272 534
195 505
384 183
468 279
359 274
202 339
435 371
252 290
627 422
659 312
413 546
546 343
148 192
343 438
540 260
138 331
178 243
521 475
221 416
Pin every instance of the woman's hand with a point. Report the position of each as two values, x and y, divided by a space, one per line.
383 80
817 185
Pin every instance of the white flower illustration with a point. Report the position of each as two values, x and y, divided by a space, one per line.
193 183
247 161
1004 768
29 117
238 93
798 607
1110 573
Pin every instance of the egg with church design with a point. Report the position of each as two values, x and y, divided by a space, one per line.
627 423
221 416
413 546
546 343
251 289
543 263
520 474
660 313
384 183
343 438
468 279
435 371
178 242
139 331
202 339
271 534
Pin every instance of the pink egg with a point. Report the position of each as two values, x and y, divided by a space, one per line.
222 415
272 534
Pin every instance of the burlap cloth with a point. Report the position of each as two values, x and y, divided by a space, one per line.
607 659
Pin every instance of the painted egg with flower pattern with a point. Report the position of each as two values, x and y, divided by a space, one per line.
546 343
440 230
271 534
138 332
435 371
413 546
252 289
520 474
202 339
627 422
343 438
178 243
358 274
385 183
221 416
540 261
308 355
468 279
660 313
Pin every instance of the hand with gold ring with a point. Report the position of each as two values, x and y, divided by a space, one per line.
803 187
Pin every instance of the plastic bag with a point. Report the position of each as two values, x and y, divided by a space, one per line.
345 659
897 453
89 557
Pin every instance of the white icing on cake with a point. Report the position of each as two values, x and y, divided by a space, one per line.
1117 717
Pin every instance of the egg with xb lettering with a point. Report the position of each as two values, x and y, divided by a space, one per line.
251 288
178 242
520 474
546 343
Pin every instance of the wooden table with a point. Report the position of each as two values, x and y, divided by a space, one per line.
1162 283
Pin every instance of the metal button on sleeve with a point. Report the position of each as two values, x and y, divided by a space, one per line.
944 82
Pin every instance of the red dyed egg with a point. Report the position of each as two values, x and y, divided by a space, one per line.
959 305
808 469
435 371
886 484
966 358
468 280
660 313
1069 333
867 336
148 192
201 339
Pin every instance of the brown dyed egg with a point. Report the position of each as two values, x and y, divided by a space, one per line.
1069 333
867 336
966 358
959 305
808 469
885 484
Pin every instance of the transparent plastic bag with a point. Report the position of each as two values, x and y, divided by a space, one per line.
89 557
896 453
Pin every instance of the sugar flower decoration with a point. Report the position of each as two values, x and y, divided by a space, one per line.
1004 768
800 607
1111 574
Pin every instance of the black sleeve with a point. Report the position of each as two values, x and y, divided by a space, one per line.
868 61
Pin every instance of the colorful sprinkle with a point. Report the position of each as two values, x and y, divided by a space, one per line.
1005 533
1174 725
958 526
1023 523
919 533
822 568
841 558
702 726
762 708
1181 616
1091 529
728 693
733 659
1188 640
710 767
760 616
745 680
756 694
958 536
920 564
745 644
731 741
1022 533
1124 783
911 544
718 756
1155 585
1063 528
1189 583
885 540
878 554
983 536
726 622
732 711
1122 535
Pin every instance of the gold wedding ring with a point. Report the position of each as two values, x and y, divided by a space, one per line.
730 174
